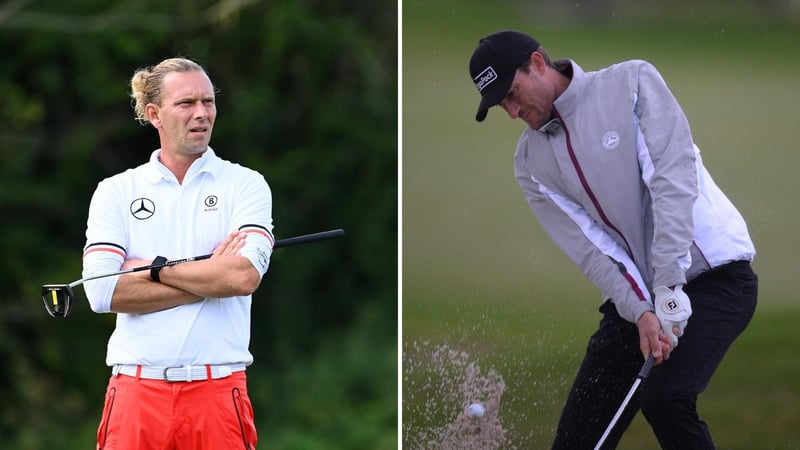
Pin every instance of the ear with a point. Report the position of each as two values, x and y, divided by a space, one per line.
151 111
538 63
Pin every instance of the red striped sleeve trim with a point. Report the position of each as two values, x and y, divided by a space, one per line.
252 228
104 247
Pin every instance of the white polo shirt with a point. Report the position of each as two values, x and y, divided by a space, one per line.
143 213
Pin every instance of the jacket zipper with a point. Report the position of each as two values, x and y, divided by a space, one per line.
596 203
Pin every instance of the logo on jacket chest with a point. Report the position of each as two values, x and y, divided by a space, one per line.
611 140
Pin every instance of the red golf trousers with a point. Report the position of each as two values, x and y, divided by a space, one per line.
144 414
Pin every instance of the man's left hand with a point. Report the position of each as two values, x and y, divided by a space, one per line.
673 310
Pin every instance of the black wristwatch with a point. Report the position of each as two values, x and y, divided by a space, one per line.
159 261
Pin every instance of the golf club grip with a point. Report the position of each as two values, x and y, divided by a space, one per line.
646 367
322 235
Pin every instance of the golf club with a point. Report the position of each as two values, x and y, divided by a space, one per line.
642 375
58 298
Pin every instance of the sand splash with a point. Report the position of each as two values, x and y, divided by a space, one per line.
439 384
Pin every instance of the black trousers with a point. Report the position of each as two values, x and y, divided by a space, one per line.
723 302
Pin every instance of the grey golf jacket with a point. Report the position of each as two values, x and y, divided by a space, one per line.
617 182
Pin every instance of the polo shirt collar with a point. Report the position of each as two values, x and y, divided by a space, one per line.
208 163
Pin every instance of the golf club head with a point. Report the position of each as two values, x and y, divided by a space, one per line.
57 299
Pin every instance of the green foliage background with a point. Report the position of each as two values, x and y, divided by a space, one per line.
480 275
308 96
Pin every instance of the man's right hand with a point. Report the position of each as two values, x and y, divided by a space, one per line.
232 244
651 339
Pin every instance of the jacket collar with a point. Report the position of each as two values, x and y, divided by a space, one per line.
570 98
566 103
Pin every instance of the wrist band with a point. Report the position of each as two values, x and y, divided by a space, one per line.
159 261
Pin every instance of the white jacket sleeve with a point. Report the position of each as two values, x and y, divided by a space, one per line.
670 173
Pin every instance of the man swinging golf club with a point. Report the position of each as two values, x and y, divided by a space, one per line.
609 167
180 347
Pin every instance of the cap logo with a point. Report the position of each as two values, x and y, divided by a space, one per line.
485 78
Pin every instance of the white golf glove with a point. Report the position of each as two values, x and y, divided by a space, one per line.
673 309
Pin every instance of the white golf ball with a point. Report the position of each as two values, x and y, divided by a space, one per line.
476 411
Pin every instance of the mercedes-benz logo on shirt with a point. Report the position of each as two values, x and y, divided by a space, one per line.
143 208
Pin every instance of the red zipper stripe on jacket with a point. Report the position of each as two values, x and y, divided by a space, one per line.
596 204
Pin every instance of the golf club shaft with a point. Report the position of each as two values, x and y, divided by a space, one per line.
645 370
297 240
138 269
306 238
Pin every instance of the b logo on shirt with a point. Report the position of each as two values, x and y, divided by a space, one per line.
211 203
143 208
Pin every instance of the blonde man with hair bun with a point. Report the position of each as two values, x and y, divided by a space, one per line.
180 348
146 84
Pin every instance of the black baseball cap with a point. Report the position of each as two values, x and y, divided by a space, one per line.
494 63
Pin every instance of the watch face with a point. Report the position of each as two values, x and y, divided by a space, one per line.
156 267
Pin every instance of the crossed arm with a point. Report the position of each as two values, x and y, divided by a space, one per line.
225 274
